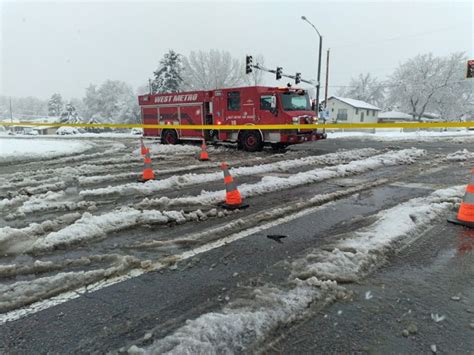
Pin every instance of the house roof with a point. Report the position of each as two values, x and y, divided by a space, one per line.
395 115
355 103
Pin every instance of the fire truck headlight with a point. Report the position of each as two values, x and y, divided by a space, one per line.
295 120
315 119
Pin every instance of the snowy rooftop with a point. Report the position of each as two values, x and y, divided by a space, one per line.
395 115
355 103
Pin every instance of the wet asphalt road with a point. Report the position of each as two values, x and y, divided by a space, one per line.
418 281
434 276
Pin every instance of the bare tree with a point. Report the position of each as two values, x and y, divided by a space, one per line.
426 82
211 70
365 88
255 78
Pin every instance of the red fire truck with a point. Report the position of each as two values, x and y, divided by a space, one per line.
254 105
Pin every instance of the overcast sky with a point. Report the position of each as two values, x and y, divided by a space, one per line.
63 46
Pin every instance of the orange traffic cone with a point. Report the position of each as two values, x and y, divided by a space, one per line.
465 216
148 173
203 156
143 149
233 200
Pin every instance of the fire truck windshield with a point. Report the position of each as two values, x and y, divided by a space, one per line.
295 102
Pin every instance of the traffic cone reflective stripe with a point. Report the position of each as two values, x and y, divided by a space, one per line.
148 173
465 214
233 199
203 156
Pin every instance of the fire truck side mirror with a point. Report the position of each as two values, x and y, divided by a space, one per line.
273 105
273 102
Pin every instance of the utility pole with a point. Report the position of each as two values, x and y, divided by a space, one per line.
319 74
318 84
327 81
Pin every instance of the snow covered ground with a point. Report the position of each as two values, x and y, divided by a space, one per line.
389 134
61 225
16 149
244 322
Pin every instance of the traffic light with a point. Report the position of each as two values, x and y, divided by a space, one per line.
279 73
297 78
248 64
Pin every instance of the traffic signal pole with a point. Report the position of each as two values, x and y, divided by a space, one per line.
327 81
250 66
319 75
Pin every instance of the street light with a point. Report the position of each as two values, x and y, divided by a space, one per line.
318 84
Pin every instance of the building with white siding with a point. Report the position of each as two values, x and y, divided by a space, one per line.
345 110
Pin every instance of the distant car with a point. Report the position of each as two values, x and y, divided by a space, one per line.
137 131
63 131
31 132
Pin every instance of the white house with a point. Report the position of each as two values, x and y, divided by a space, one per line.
397 116
344 110
394 116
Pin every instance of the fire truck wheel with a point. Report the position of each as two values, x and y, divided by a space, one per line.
251 141
169 136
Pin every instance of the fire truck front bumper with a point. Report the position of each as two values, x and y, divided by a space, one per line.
302 137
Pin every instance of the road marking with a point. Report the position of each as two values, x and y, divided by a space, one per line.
415 185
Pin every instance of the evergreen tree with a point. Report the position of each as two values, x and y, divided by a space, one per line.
70 115
55 105
168 78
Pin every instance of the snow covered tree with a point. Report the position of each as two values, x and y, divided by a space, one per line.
23 107
167 78
69 114
212 70
256 76
365 88
431 83
55 105
114 101
455 101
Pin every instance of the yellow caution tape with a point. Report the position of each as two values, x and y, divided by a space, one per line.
250 127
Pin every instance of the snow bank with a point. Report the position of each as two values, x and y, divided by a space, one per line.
358 253
25 292
8 203
30 206
179 149
172 149
395 134
90 227
91 180
16 240
460 155
272 184
239 326
192 179
14 149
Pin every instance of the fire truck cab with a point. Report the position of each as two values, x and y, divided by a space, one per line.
255 105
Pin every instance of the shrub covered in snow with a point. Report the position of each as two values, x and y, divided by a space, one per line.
62 131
